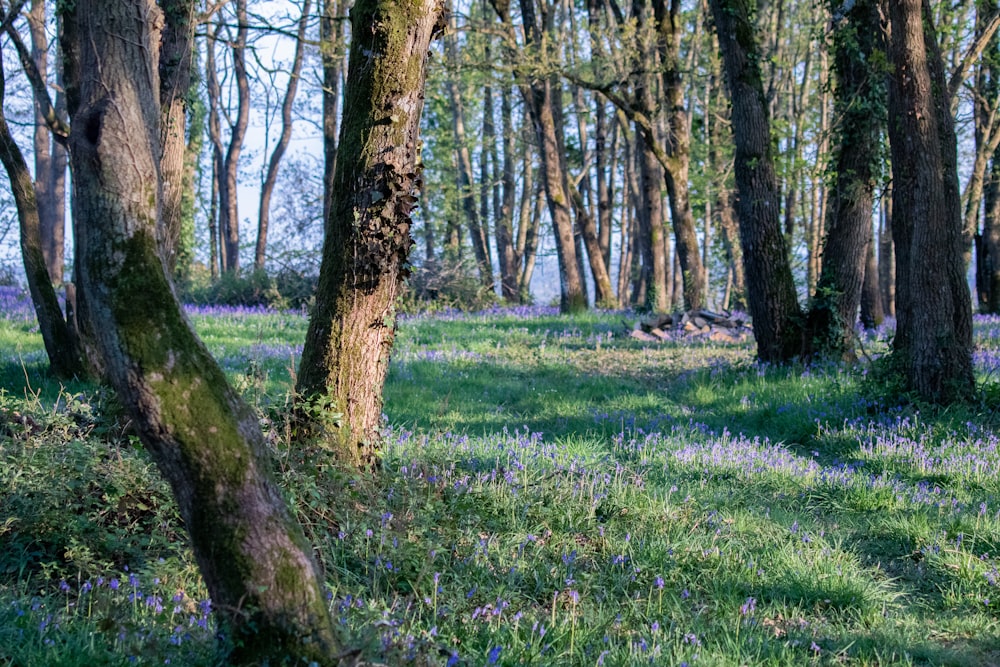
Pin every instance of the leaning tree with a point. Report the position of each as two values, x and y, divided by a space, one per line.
206 441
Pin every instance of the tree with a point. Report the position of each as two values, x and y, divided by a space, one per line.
226 158
367 232
50 153
983 191
777 319
678 152
64 360
206 441
478 229
542 97
175 80
933 343
271 178
859 56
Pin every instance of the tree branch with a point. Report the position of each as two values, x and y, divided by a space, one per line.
59 127
975 50
643 124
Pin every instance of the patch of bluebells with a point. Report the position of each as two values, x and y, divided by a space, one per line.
973 456
134 614
15 304
221 312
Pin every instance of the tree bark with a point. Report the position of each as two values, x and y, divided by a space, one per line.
886 256
983 191
175 80
530 222
219 204
367 235
651 228
872 313
777 319
587 227
933 342
508 248
542 107
255 561
271 178
858 42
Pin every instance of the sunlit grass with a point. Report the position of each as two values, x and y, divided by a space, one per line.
552 493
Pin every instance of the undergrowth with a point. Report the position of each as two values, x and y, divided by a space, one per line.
552 492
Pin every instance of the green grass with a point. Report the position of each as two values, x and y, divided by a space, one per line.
552 493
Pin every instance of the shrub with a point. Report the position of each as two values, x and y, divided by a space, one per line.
449 283
286 289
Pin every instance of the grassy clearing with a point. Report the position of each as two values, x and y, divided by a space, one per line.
553 493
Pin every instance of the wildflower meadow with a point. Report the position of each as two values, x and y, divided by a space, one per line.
551 492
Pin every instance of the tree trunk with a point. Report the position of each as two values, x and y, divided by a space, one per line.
729 226
572 296
603 292
650 217
933 342
678 149
64 360
229 222
477 230
254 558
271 178
872 313
332 46
175 80
771 294
50 158
857 41
367 235
886 256
983 191
530 222
508 250
220 198
587 227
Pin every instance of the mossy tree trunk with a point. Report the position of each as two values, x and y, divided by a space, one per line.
367 236
777 319
859 54
933 343
207 443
